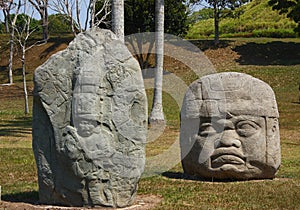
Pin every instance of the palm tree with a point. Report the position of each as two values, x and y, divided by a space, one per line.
118 18
157 115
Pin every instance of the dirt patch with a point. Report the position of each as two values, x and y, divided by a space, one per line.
223 58
14 91
291 135
143 202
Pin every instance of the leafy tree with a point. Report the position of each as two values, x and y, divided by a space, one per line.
21 22
59 23
203 14
42 7
220 8
176 22
140 17
290 7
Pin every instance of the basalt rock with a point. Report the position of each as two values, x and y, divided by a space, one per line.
89 123
229 128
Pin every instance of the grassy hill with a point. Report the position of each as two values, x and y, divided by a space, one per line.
257 19
34 56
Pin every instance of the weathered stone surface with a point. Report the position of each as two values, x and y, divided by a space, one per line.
229 128
89 123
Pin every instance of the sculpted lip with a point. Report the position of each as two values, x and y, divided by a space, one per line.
227 156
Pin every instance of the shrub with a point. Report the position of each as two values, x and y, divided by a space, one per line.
59 24
275 33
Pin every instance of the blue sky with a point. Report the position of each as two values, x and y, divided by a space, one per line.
37 16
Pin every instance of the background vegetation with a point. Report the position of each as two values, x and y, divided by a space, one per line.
255 19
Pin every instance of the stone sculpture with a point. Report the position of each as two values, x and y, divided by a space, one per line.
90 123
229 128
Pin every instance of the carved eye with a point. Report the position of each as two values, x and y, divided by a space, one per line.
206 129
247 128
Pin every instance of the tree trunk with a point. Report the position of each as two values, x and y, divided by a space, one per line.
11 57
6 22
216 23
118 18
42 7
92 15
157 115
45 24
24 81
12 37
77 17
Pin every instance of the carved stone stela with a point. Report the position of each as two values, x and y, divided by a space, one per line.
90 123
229 128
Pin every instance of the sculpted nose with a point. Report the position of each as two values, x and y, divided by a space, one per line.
229 139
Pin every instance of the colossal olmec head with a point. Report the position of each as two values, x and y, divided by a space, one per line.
229 128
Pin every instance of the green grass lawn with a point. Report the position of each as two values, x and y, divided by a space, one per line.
18 171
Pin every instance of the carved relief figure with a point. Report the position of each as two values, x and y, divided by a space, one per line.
89 123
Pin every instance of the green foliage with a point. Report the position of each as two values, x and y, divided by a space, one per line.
219 5
291 8
175 18
257 19
59 23
221 9
203 14
140 17
204 28
22 20
272 32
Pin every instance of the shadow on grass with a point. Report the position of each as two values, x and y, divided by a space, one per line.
209 44
3 68
183 176
3 74
292 144
179 175
17 128
31 197
271 53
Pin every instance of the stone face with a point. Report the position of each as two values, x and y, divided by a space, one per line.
229 128
90 123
